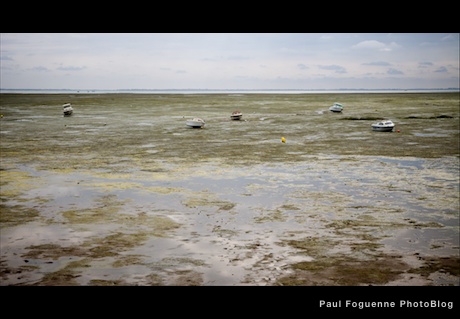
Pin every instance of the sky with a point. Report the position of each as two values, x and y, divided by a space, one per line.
227 61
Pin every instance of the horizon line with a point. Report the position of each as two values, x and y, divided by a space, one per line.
206 89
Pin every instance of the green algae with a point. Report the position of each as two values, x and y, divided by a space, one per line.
111 149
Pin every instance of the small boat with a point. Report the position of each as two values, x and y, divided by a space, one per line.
236 115
336 107
195 123
67 109
383 126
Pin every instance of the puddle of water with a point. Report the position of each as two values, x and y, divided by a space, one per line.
224 209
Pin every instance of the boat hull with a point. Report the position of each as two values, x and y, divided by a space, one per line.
335 110
195 123
382 129
68 111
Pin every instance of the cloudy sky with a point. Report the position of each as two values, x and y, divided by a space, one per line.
110 61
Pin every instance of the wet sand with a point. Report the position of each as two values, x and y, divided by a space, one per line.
124 193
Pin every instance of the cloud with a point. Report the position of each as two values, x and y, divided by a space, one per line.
381 63
70 68
6 58
40 69
441 69
336 68
376 45
302 66
424 64
392 71
450 37
370 44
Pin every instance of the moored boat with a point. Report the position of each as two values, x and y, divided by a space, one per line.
236 115
195 122
67 109
336 107
383 126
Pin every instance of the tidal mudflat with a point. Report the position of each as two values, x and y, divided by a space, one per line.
124 193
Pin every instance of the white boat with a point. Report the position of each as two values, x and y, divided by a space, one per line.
195 122
383 126
236 115
67 109
336 107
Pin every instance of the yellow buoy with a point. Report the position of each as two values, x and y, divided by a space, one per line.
283 140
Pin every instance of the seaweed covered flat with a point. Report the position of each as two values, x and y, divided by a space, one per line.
124 193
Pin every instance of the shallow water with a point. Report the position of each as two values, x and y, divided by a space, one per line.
124 193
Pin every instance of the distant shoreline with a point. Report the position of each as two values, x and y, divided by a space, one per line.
222 91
